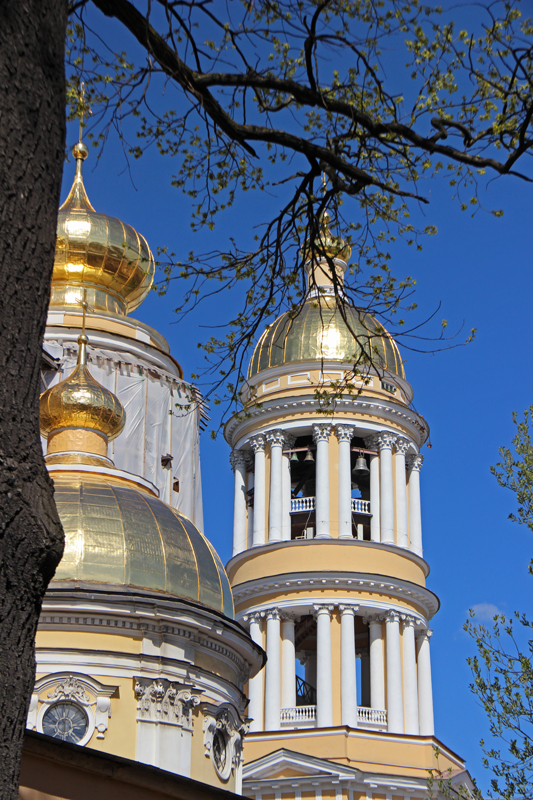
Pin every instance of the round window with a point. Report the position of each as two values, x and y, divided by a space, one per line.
66 721
220 752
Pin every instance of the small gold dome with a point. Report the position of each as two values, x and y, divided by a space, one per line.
98 253
319 332
81 402
326 244
118 535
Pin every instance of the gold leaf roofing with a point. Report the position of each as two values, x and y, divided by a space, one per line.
118 535
318 332
97 252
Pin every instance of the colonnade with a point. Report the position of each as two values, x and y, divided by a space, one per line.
399 671
394 489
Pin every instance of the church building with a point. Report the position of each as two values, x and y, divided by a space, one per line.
302 670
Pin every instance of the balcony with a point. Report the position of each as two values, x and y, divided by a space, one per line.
303 518
300 505
374 719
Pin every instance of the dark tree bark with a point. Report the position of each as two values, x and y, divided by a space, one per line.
32 136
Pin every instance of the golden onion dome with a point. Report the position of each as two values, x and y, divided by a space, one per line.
319 332
98 253
81 402
326 244
122 536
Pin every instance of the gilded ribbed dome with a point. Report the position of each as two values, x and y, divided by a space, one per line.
319 333
98 253
119 535
81 402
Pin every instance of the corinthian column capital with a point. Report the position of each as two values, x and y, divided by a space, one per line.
321 433
392 616
276 437
402 445
257 443
384 440
344 433
414 462
238 458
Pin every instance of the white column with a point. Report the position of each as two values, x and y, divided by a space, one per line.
257 443
324 677
250 504
394 673
321 437
286 490
377 667
348 666
275 512
410 688
344 434
414 464
238 462
385 442
273 671
402 538
425 692
288 661
255 685
375 530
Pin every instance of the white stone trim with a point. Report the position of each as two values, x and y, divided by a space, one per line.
226 720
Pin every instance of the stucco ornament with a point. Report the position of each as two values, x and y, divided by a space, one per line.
163 701
224 733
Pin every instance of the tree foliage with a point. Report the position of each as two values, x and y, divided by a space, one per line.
378 96
503 667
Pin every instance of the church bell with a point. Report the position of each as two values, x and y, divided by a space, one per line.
361 468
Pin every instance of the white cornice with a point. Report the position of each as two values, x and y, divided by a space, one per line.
252 593
258 419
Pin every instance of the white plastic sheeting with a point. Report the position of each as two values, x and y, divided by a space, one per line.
160 419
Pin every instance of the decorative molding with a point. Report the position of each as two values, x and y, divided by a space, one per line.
272 613
322 608
344 433
424 633
163 701
414 462
409 621
82 690
224 733
321 433
276 437
257 443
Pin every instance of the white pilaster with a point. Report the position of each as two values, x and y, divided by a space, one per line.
288 661
275 512
324 677
394 673
348 666
410 688
425 692
257 443
377 666
286 490
385 442
414 464
344 434
255 685
402 538
273 671
321 437
375 529
238 461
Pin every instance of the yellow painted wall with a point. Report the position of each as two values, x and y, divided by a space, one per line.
86 640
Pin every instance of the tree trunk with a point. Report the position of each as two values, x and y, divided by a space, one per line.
32 136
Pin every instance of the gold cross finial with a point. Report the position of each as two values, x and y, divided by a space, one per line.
81 105
86 307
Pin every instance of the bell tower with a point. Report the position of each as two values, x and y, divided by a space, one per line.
327 570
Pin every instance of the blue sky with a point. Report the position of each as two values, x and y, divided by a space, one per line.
479 269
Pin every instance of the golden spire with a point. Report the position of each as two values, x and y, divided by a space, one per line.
79 415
